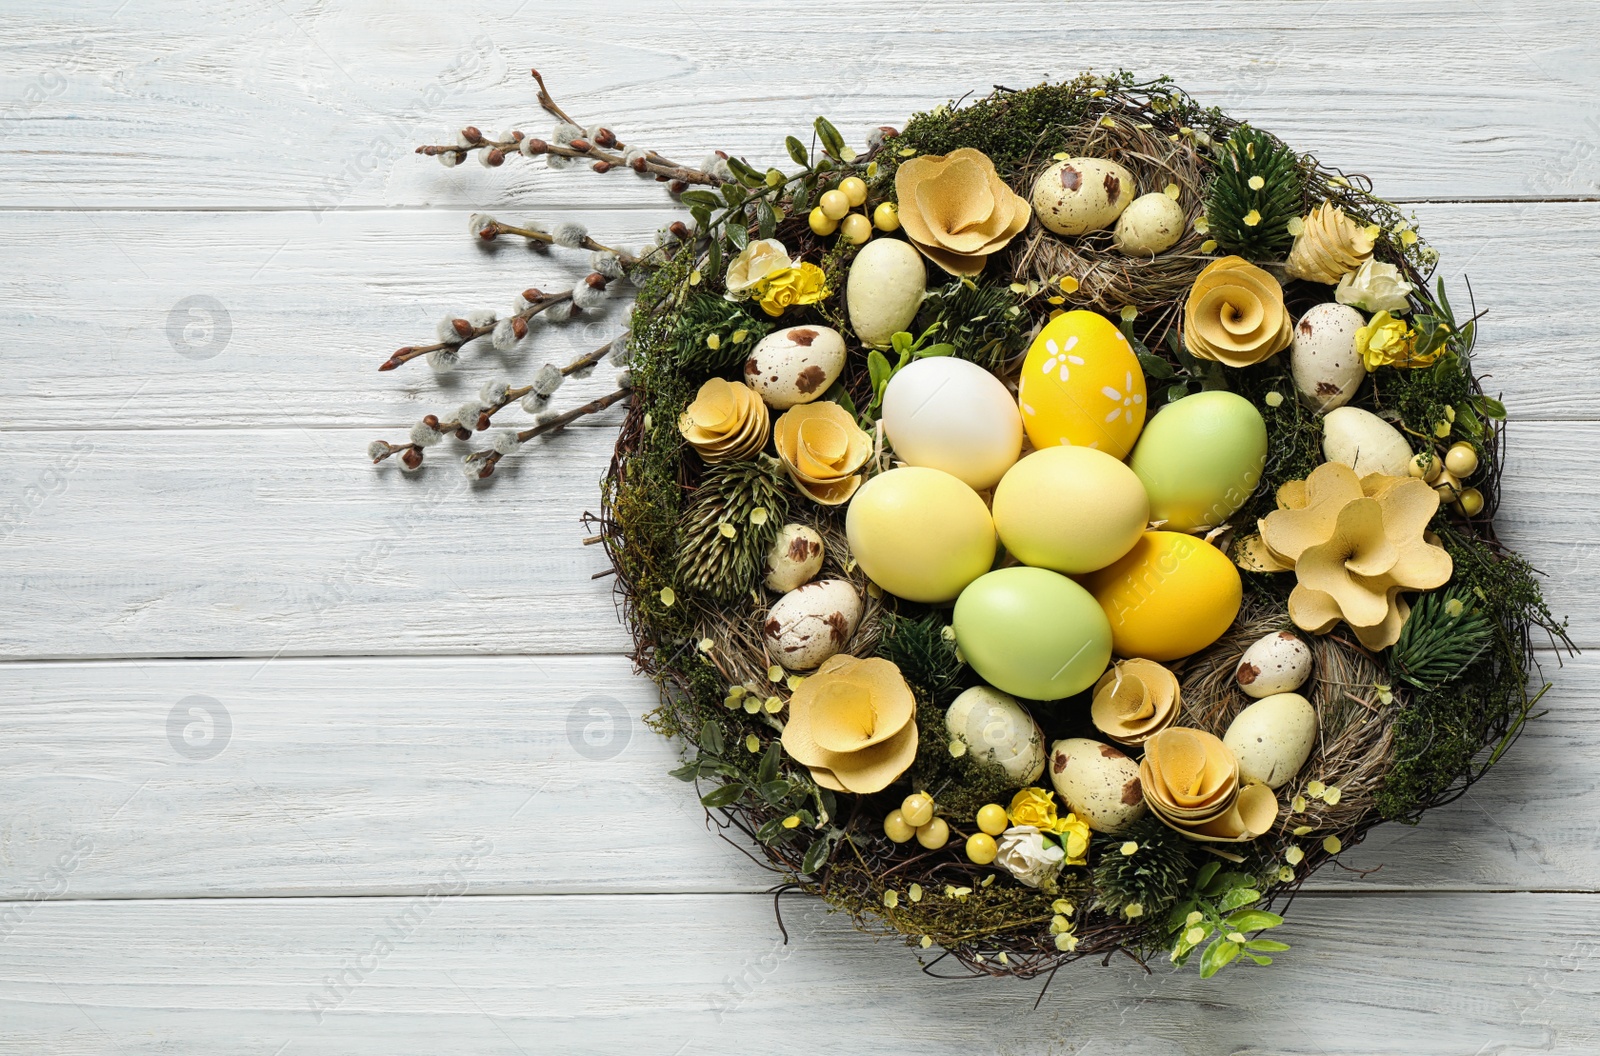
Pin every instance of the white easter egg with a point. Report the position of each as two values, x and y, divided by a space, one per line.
996 729
1327 368
1099 783
1274 664
1364 442
811 623
884 290
795 365
950 414
1273 738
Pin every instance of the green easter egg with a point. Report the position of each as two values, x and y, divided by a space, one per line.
1032 633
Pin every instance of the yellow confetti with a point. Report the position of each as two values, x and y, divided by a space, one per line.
926 942
1331 797
668 596
1235 936
1003 959
1017 287
848 154
1055 300
1129 313
1062 906
774 673
1208 246
792 821
1339 181
1332 845
891 898
1274 399
1373 230
987 880
1454 608
713 341
706 645
1194 935
1060 156
736 692
1202 225
773 705
1441 429
1108 122
794 681
1294 855
1408 238
1296 226
906 152
1302 830
694 277
1194 918
1066 943
1298 804
752 705
1316 788
1098 93
752 743
1252 218
958 748
1173 190
1285 874
1059 924
730 702
726 530
1129 848
914 892
1133 910
1256 183
872 169
758 516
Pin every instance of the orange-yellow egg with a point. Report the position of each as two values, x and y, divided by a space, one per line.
1081 384
1168 597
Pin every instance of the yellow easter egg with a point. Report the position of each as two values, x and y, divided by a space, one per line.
920 533
1071 509
1168 597
1081 384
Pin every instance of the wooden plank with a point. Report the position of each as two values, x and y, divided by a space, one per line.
289 777
287 542
318 106
313 305
1429 976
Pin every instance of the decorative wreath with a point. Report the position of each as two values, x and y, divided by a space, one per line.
1057 528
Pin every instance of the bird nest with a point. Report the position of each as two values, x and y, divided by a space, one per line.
1394 738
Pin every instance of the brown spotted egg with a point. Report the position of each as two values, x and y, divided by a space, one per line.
795 365
811 623
1099 783
1277 663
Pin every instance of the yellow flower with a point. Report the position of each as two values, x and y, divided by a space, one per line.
1074 833
852 724
957 210
1388 342
1036 807
806 284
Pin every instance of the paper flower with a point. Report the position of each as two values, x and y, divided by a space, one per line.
1329 245
1388 342
1135 700
1375 287
1355 546
957 210
1028 856
821 448
1073 832
1190 781
804 284
852 723
1033 806
726 421
755 263
1235 314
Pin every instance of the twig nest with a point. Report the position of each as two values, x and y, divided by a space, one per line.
1356 543
1099 783
794 557
1366 443
1329 245
1235 314
996 729
1079 195
1135 700
1327 368
1151 224
811 623
726 421
1273 738
795 365
1191 782
1276 663
821 449
957 210
853 724
885 289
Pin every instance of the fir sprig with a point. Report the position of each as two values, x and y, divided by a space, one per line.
1152 875
1258 189
1444 634
729 526
984 324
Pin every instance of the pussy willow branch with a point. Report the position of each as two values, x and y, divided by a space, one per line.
538 301
486 460
492 229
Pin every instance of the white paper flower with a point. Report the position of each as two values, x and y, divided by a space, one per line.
1375 287
1025 855
755 263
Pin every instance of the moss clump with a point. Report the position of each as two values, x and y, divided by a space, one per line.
985 324
926 658
1009 126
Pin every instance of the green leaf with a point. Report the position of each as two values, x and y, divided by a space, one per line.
766 219
797 151
714 258
723 795
832 141
702 215
1490 407
1226 881
711 737
1203 878
817 853
705 198
738 234
774 791
688 771
1176 392
1155 366
901 342
1252 919
1266 945
1239 896
769 762
878 369
801 200
1263 961
829 802
1218 956
770 831
747 176
733 194
935 350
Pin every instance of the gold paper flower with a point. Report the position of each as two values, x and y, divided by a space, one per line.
1329 246
1135 700
1388 342
726 421
1235 314
805 284
852 723
821 448
957 210
1190 781
1033 806
1355 545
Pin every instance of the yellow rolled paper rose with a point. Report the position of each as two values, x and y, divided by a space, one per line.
1388 342
726 421
1033 806
1235 314
1135 700
806 284
1329 246
957 210
821 449
1074 834
852 723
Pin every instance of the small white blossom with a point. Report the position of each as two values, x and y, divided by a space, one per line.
505 441
467 413
606 263
493 392
570 234
446 330
378 449
480 317
425 435
533 403
586 296
444 360
566 133
547 380
503 337
559 313
478 221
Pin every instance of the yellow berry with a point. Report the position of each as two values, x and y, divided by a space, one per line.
834 204
1448 485
917 809
1461 460
1424 466
992 818
854 188
896 828
857 228
886 217
981 848
1470 502
821 224
934 834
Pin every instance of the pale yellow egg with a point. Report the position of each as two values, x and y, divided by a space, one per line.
1071 509
919 533
1082 385
1168 597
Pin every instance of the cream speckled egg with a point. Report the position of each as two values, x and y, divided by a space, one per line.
811 623
1327 368
795 556
1081 194
920 533
1273 738
1151 224
1277 663
949 414
1364 442
795 365
885 288
1099 783
996 729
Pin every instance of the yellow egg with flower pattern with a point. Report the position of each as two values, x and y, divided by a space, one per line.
1082 384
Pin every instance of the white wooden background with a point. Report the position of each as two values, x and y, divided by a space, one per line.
403 803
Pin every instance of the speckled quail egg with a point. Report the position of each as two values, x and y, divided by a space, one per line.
795 365
1099 783
1276 663
1327 368
795 556
1151 224
1079 195
811 623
